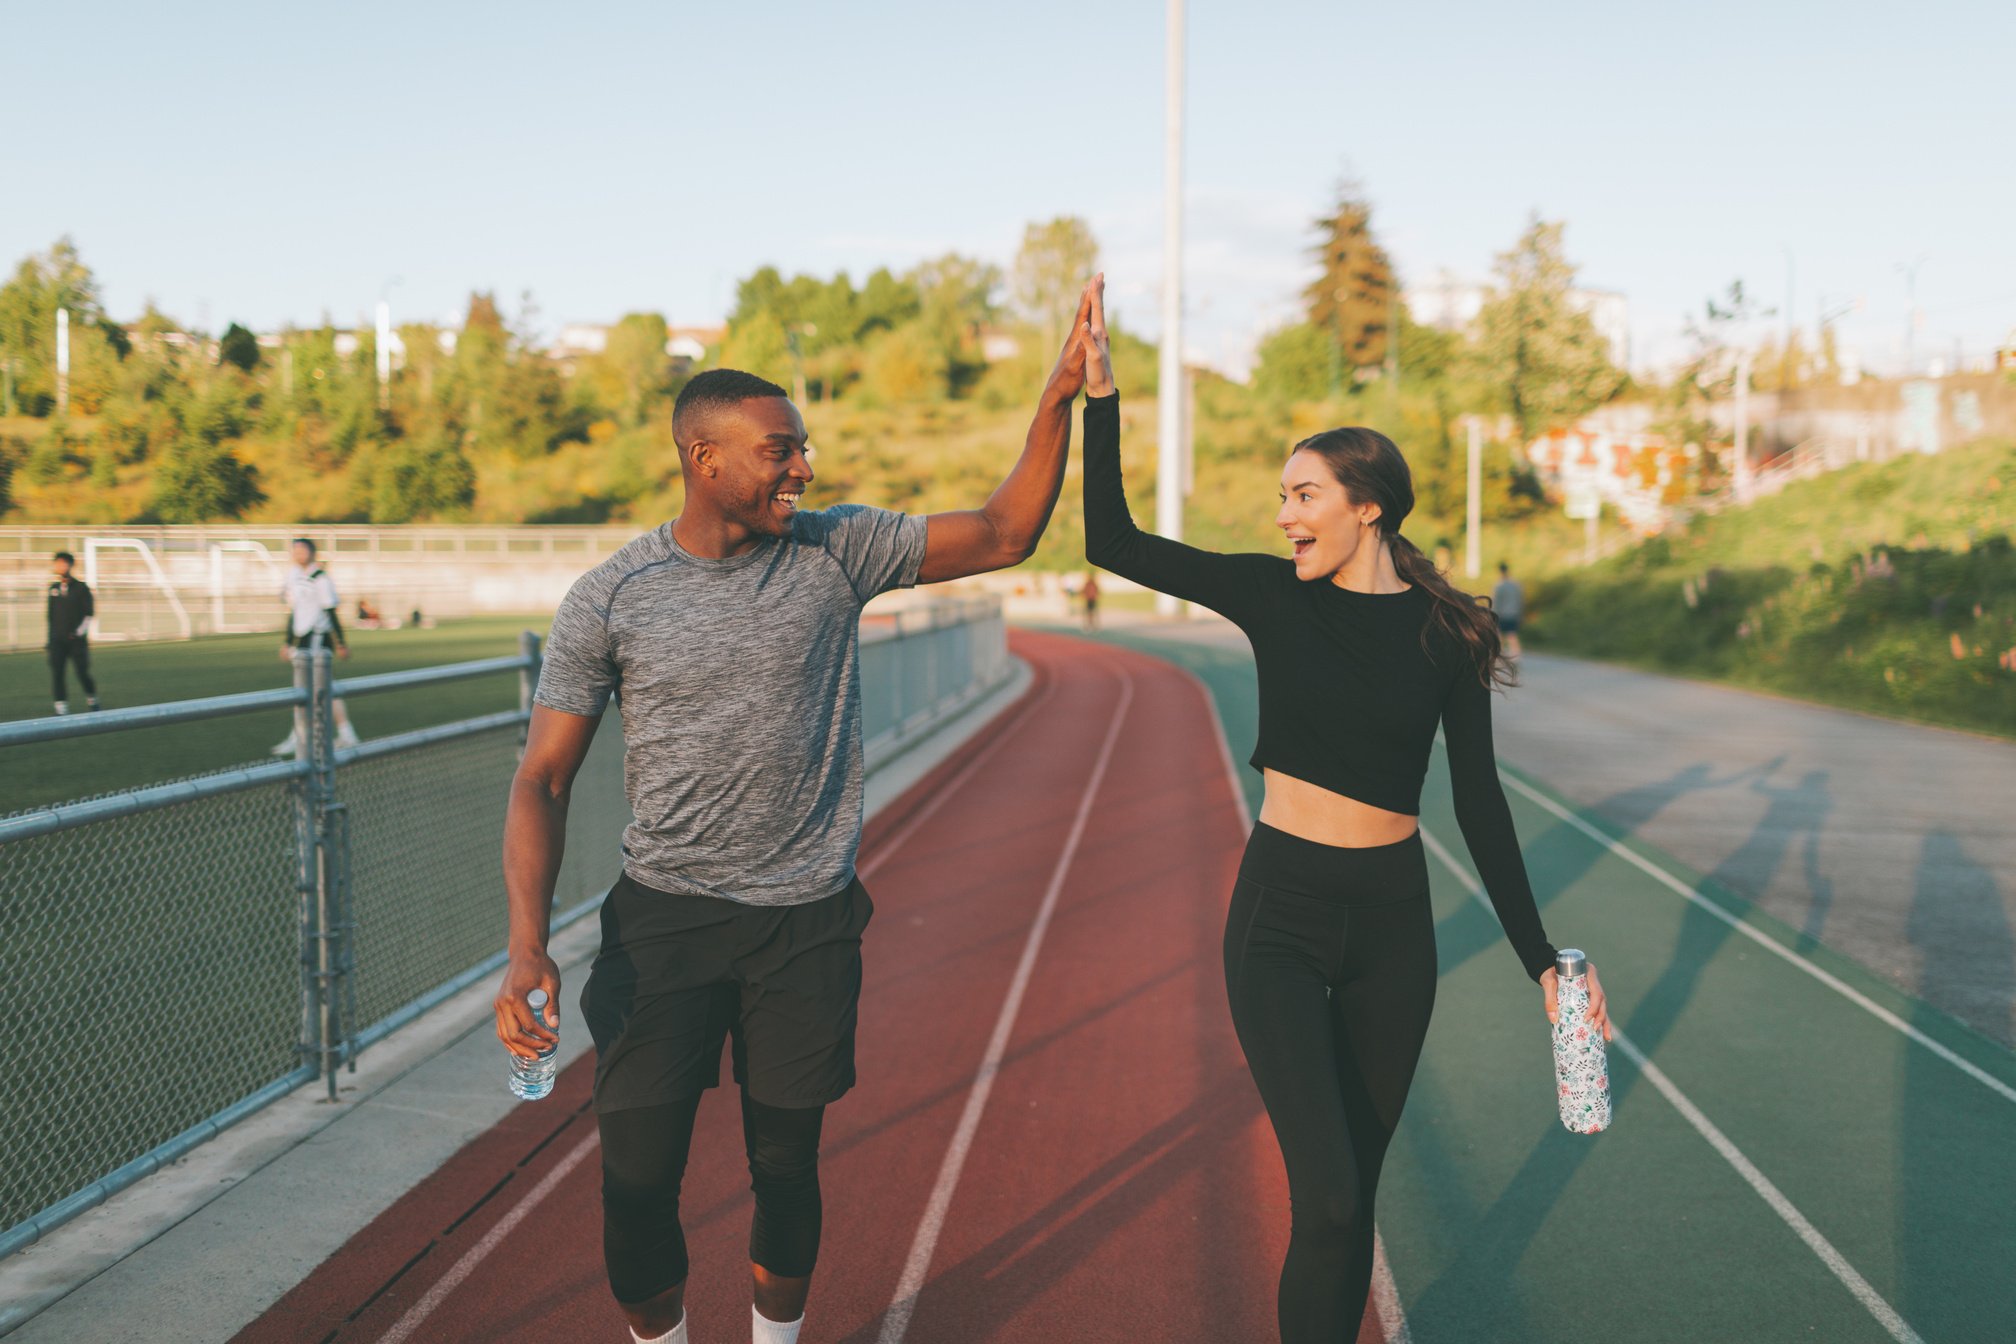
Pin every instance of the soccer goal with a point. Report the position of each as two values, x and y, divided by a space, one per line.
140 588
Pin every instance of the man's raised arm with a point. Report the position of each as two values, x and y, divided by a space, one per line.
1005 530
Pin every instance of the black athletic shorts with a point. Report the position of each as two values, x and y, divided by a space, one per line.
1508 625
678 974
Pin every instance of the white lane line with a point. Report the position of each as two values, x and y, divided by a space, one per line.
403 1329
897 1322
885 850
1847 991
1386 1296
1385 1292
425 1307
1706 1128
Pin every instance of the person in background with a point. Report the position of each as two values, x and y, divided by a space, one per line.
1508 604
71 609
1091 595
310 595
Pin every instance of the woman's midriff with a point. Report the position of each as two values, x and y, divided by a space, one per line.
1302 809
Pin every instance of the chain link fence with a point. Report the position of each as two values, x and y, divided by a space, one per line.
177 956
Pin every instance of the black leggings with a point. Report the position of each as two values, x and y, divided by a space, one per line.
1330 968
643 1162
76 651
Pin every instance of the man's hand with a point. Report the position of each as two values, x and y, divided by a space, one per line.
1068 378
1097 345
343 652
522 1032
286 652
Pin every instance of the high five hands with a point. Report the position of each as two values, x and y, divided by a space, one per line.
1086 362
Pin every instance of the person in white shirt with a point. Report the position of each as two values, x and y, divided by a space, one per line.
310 595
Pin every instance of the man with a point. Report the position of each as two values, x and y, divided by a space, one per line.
71 609
310 595
1508 604
731 635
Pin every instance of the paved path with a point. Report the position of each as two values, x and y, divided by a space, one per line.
1049 910
1888 842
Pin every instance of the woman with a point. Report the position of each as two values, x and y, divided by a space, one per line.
1362 649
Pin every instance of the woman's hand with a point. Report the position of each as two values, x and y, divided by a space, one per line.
1074 360
1599 1006
1098 347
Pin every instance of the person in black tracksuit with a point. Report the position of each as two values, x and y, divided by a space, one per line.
70 611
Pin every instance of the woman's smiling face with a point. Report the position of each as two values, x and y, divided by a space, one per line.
1323 527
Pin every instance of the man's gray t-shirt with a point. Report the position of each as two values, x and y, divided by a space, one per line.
740 686
1508 600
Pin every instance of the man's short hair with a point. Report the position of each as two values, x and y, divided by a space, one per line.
65 557
303 541
715 390
1504 568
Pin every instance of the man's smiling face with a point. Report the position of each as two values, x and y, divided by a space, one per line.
764 463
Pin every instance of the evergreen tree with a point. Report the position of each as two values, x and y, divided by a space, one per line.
1352 301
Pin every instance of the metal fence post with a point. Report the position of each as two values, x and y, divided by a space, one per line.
528 680
327 919
307 852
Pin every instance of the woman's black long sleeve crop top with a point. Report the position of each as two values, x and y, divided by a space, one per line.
1352 684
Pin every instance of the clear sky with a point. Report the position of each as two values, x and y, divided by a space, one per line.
272 163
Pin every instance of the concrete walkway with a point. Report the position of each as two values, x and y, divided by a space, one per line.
1888 842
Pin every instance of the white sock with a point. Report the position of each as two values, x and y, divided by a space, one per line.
767 1331
676 1335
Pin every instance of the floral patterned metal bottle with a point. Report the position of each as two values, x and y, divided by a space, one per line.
1581 1067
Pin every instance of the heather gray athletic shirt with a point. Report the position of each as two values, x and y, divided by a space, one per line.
740 685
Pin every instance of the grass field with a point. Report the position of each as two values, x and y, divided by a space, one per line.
1800 1151
144 674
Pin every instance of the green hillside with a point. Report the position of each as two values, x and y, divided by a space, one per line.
1888 588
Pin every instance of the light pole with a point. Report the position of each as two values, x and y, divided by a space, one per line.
1742 434
1473 513
62 361
384 351
1910 273
1169 457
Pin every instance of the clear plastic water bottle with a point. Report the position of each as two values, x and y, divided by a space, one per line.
532 1079
1581 1065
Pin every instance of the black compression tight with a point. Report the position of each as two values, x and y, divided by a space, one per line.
644 1152
1330 969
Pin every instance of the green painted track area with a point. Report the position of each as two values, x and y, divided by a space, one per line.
1809 1171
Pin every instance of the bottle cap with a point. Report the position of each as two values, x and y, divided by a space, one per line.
1571 963
537 999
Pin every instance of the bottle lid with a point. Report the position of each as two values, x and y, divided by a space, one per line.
537 999
1571 962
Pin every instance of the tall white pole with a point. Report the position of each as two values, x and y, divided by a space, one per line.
1743 427
62 361
384 353
1473 517
1169 460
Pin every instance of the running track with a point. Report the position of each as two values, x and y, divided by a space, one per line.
1050 899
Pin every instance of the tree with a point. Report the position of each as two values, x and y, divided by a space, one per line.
1537 344
633 371
1052 266
1352 300
1295 363
238 346
41 284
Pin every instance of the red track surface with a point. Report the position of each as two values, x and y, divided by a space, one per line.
1122 1185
